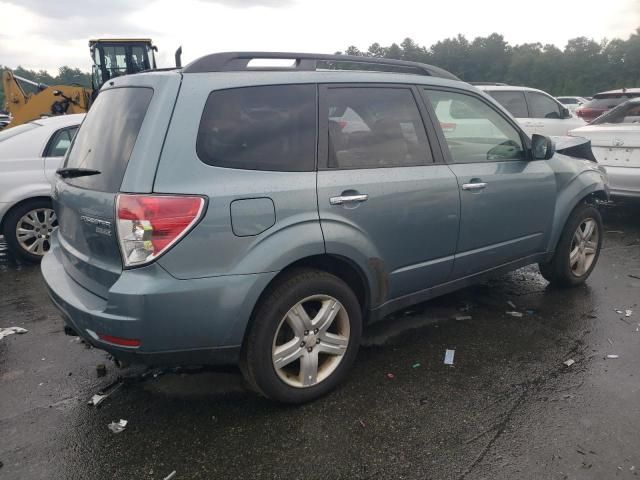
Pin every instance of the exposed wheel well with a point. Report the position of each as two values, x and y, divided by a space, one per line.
20 203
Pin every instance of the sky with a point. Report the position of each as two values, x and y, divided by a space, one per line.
46 34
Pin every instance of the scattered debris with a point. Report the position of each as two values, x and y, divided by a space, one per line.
362 424
530 312
106 392
628 313
101 370
415 365
610 342
569 362
5 332
117 427
170 476
390 376
448 357
612 356
637 277
511 304
614 231
514 314
619 312
462 318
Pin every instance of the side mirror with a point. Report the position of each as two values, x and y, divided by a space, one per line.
566 113
542 148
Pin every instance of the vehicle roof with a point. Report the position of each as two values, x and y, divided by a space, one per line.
619 90
59 121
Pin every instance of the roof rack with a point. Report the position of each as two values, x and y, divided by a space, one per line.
239 61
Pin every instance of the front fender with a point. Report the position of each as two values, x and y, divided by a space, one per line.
575 191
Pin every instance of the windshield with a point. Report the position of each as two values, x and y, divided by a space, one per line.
13 131
628 112
107 136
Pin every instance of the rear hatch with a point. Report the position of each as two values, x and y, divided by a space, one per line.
614 145
121 138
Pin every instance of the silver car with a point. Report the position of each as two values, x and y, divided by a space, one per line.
29 156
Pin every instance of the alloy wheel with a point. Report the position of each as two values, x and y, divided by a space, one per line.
34 229
584 247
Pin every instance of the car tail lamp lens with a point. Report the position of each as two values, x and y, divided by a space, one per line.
125 342
149 224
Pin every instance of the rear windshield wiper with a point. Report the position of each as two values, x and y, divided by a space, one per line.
72 172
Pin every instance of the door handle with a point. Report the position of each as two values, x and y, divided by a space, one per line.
341 200
474 186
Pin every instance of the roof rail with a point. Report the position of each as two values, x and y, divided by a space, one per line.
493 84
239 61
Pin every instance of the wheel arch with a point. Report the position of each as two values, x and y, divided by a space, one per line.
18 205
342 267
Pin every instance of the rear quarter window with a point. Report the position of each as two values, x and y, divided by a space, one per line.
260 128
107 136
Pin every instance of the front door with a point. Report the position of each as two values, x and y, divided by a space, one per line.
507 201
384 198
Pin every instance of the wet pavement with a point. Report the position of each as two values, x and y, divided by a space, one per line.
508 408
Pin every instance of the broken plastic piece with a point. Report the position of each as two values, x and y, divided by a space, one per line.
511 304
170 476
612 356
101 370
4 332
415 365
514 314
569 362
117 427
628 313
448 357
391 376
98 398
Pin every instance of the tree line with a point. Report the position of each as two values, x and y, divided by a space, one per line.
583 68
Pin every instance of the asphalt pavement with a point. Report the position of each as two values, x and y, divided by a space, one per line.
509 408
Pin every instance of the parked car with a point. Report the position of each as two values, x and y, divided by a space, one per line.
615 140
535 110
605 101
4 120
228 218
572 103
29 156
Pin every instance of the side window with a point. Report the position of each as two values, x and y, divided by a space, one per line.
260 128
474 131
514 102
60 142
371 127
542 106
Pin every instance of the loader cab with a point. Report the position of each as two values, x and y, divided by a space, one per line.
116 57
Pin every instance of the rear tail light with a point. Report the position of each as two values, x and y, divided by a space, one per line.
148 225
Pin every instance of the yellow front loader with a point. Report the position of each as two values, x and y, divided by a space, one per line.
45 101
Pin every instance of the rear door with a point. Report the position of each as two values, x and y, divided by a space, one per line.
111 137
384 199
507 202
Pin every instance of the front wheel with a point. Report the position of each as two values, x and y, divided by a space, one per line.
28 228
304 337
578 249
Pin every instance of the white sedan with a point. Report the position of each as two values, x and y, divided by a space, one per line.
615 141
29 156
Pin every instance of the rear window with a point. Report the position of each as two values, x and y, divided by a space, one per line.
107 136
626 113
260 128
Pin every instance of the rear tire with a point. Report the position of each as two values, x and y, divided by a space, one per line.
28 227
578 249
304 337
